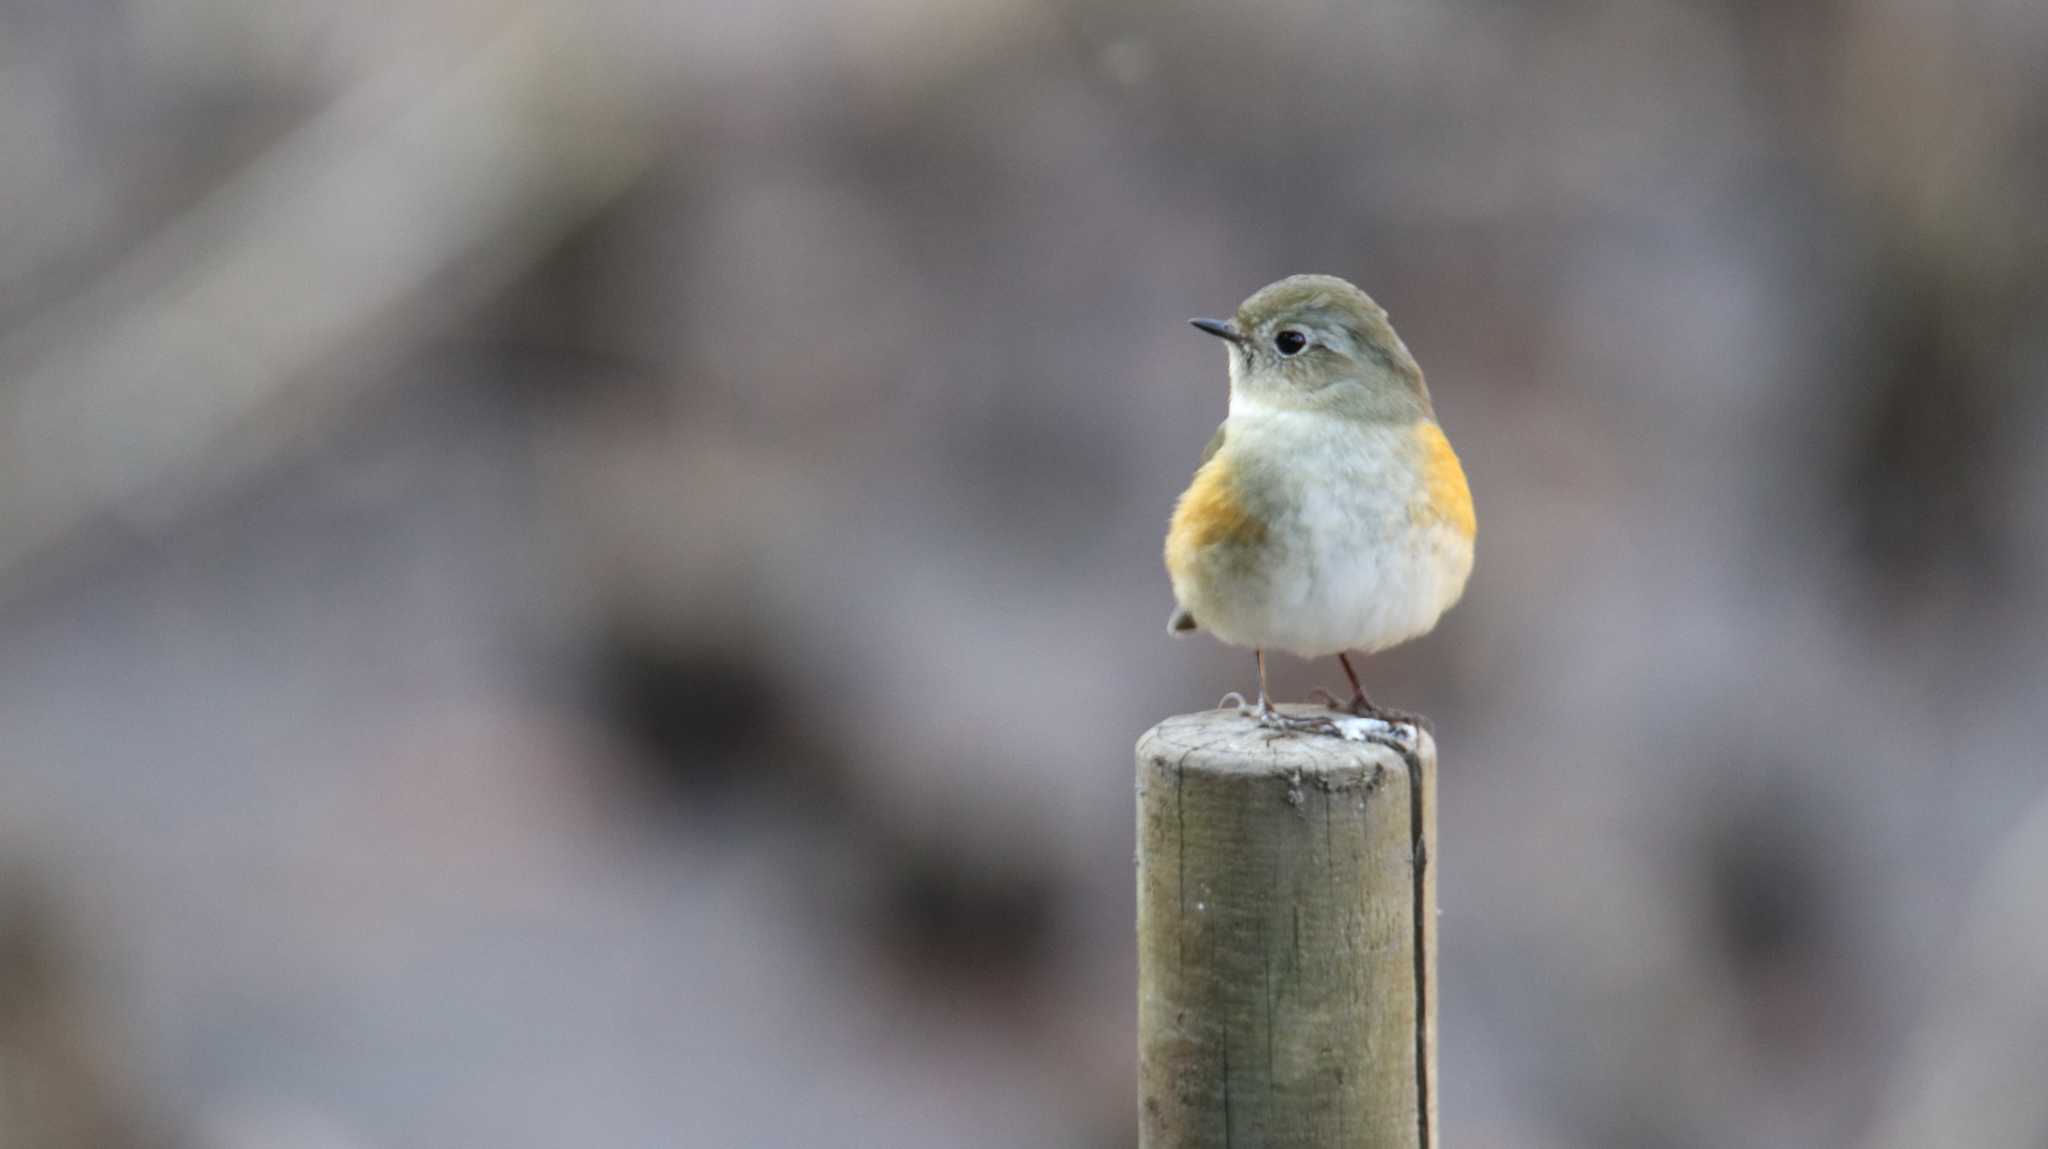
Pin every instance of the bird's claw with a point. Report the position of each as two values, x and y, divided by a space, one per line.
1273 719
1362 707
1417 722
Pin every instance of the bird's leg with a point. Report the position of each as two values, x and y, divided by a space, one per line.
1365 707
1266 710
1269 715
1360 704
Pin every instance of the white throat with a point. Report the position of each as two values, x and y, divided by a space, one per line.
1243 404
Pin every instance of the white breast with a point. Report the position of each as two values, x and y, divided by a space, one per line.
1349 565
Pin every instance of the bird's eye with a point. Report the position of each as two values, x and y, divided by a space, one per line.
1290 342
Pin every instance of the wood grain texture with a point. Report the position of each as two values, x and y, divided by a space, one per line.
1286 939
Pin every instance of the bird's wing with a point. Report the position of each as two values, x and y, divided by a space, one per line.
1182 620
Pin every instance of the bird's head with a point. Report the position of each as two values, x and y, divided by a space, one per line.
1317 343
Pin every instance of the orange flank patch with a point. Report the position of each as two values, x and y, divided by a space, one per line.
1209 514
1450 499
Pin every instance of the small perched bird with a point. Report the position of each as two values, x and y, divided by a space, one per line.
1329 513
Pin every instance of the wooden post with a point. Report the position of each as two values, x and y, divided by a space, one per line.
1286 938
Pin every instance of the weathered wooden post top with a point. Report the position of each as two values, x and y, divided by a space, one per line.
1286 935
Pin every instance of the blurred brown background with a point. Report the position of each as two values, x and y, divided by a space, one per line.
586 574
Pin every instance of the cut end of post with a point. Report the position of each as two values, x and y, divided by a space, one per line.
1227 739
1286 934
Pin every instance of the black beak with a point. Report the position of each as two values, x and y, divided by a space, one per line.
1220 328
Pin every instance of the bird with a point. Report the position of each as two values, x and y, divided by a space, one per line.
1329 513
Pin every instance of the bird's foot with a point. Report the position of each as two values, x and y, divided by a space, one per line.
1381 726
1272 718
1363 707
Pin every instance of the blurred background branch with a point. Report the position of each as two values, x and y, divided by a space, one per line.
256 314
